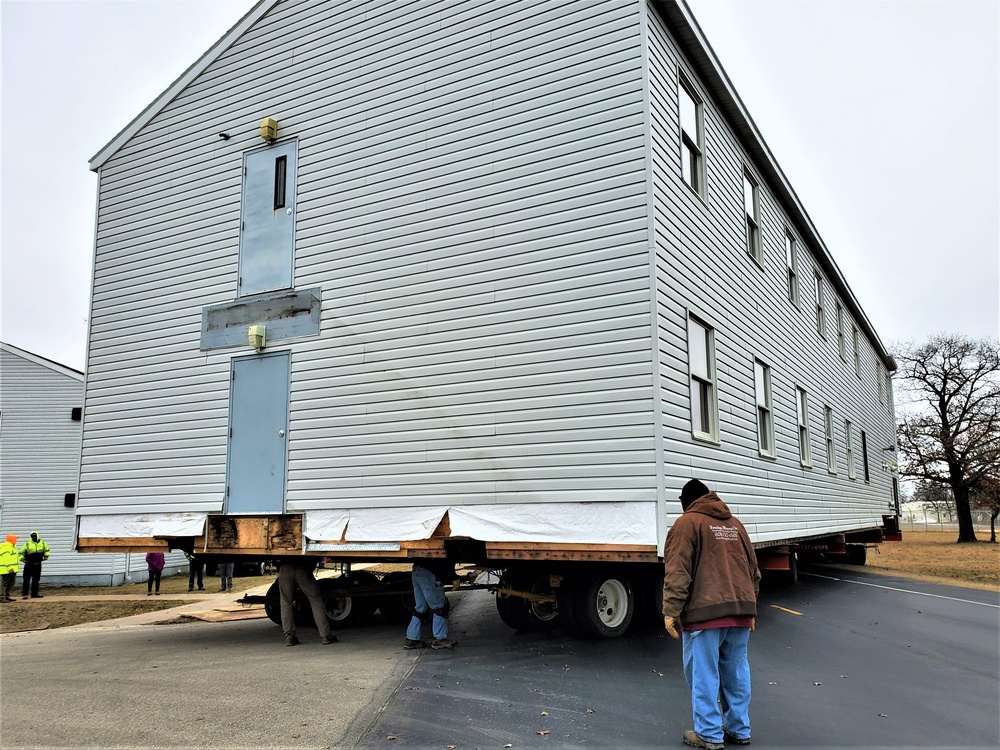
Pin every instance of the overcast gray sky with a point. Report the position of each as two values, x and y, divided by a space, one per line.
883 114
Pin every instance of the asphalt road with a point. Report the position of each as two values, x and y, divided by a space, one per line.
899 664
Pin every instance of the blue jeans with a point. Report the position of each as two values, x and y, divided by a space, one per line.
718 671
427 596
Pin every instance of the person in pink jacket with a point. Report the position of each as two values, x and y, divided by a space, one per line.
154 564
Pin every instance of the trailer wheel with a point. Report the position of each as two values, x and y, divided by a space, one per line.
648 589
603 605
272 604
567 599
856 554
524 614
397 607
342 609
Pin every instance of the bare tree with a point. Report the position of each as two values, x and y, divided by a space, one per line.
950 433
986 496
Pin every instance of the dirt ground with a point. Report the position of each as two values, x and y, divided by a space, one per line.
922 555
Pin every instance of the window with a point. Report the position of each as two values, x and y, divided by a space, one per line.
692 138
864 454
701 356
802 414
792 268
69 500
267 219
751 217
831 456
820 313
849 438
841 341
857 350
76 414
765 413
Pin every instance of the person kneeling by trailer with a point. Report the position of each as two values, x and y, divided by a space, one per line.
431 604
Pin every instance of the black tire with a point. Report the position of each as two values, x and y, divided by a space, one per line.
566 605
342 609
397 607
272 604
648 600
603 605
524 614
857 554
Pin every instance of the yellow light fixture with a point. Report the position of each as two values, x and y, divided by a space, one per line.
255 334
269 129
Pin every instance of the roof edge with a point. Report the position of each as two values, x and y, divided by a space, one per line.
38 360
158 104
699 52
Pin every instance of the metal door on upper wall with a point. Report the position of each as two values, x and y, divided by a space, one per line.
258 429
267 221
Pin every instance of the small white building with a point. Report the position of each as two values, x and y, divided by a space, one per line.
40 429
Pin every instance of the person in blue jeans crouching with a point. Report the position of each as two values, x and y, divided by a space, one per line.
431 603
710 587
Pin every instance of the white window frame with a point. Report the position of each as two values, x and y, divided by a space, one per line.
831 454
751 216
841 338
765 408
703 380
849 447
792 267
802 418
692 146
857 350
820 310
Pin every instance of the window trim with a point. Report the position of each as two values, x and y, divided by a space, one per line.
696 146
841 334
831 453
820 308
708 385
852 472
792 267
802 419
751 224
767 408
857 350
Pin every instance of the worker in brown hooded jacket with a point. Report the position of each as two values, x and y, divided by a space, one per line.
710 587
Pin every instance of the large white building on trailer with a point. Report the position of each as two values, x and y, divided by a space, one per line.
516 272
41 405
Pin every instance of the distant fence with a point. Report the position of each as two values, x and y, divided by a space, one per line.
979 522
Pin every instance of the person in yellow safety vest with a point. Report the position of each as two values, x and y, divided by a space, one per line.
33 553
8 567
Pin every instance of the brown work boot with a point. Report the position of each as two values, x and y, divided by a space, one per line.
694 739
328 639
438 644
291 640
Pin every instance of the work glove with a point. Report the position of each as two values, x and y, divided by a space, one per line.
672 624
753 624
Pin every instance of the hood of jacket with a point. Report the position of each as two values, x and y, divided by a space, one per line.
710 505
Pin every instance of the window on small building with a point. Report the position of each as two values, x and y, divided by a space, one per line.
802 416
765 412
841 338
820 312
701 361
864 454
76 414
69 500
849 443
692 138
751 216
831 456
857 350
792 268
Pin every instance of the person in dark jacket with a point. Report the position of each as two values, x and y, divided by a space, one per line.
34 552
710 586
154 565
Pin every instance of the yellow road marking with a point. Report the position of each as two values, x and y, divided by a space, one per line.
789 611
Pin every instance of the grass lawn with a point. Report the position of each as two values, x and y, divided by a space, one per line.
935 556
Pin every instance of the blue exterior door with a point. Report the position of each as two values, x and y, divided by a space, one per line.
258 428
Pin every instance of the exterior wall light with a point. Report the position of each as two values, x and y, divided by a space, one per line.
255 334
269 129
